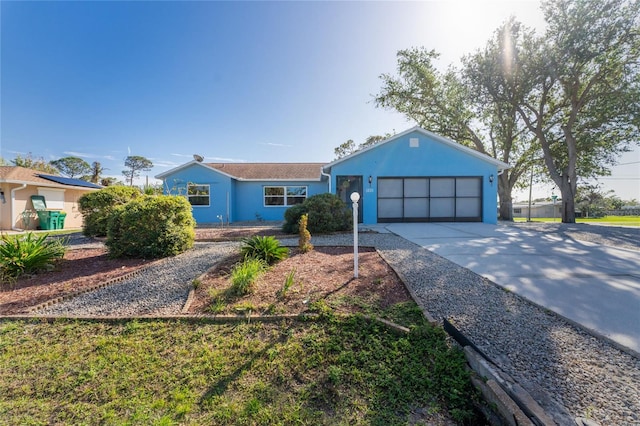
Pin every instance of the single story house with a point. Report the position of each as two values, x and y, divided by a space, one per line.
413 176
19 184
538 209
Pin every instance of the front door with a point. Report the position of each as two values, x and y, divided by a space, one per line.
346 185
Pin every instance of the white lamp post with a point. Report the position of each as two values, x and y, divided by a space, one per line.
355 197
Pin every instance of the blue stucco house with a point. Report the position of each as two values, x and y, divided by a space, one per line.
414 176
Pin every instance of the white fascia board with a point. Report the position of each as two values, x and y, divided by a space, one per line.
278 180
161 176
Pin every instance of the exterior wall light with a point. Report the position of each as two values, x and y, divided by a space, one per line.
491 179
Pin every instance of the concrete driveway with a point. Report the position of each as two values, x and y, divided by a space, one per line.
593 285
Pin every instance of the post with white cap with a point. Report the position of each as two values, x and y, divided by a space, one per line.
355 197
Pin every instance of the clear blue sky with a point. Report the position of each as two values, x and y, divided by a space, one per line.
231 81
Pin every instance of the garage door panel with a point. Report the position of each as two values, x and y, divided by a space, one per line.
468 187
416 187
416 207
468 207
390 208
443 187
389 188
443 207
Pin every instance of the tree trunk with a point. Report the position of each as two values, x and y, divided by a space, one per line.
504 194
568 201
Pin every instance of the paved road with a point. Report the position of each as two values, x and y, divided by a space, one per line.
595 285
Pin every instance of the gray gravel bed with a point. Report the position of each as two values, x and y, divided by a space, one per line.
161 289
568 371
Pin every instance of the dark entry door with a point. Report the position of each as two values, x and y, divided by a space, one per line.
346 185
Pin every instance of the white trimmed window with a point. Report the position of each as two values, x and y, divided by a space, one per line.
198 194
284 195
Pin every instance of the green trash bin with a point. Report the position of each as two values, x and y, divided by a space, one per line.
61 217
48 219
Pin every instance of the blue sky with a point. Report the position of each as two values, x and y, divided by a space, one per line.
231 81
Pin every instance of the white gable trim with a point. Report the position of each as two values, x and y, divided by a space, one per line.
189 164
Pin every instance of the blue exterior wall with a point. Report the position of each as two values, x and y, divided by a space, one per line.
220 187
396 158
249 201
235 201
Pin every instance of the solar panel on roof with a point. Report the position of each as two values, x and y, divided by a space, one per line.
70 181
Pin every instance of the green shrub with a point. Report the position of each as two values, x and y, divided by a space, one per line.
267 249
96 207
28 254
326 213
245 274
151 227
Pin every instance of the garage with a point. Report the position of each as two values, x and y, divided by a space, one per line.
430 199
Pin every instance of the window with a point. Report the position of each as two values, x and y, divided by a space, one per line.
197 194
517 211
284 195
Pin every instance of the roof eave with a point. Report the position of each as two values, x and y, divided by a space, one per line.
48 185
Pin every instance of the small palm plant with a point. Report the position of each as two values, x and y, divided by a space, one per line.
28 254
267 249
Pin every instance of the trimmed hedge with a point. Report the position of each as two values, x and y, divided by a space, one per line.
326 213
96 207
151 227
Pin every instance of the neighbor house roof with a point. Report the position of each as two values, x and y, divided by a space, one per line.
22 175
446 141
260 171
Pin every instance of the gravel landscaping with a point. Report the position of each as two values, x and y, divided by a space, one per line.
569 372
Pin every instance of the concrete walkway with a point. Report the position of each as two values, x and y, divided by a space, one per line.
593 285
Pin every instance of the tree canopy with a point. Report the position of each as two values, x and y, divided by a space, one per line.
71 166
568 98
34 163
349 147
135 164
582 102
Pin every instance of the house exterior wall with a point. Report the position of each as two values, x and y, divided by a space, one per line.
250 204
538 210
396 158
22 203
222 194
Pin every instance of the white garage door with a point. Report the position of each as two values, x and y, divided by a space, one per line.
430 199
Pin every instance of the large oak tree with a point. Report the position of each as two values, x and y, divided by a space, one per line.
583 102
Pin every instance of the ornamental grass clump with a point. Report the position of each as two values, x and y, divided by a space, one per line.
245 274
267 249
28 254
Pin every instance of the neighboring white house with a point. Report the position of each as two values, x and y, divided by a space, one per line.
538 209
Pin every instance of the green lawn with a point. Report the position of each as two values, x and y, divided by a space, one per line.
613 220
164 372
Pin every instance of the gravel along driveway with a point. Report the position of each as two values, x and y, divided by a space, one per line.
161 289
568 371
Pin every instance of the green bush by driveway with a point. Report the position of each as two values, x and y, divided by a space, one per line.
151 227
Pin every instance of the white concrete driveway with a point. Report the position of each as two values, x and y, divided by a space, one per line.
594 285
